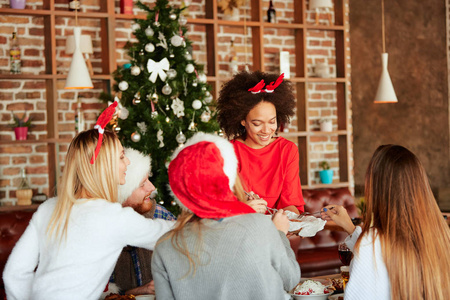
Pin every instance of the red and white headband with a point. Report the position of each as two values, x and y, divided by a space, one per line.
259 87
102 120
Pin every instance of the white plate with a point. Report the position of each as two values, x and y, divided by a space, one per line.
335 296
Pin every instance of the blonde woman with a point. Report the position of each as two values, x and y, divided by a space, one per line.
72 243
402 250
220 247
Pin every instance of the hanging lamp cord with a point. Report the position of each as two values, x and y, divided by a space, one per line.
382 26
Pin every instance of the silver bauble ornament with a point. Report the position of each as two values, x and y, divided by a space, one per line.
116 128
171 73
149 31
205 116
194 83
155 98
176 40
208 99
188 56
173 203
197 104
192 126
135 70
141 52
171 55
190 68
182 20
154 114
166 90
161 202
136 101
167 107
181 138
157 24
135 136
173 17
202 78
135 26
123 85
149 47
167 120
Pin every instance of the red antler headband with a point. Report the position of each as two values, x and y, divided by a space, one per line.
102 120
258 88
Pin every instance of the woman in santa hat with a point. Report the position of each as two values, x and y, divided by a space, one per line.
219 248
70 247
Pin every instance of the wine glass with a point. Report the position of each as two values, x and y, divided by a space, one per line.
345 255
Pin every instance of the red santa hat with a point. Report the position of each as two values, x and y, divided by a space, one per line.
202 175
138 169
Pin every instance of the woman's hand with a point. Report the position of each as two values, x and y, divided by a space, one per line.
258 204
281 221
339 215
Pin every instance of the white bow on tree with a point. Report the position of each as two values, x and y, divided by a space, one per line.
158 68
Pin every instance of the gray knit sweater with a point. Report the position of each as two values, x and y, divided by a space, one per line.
242 257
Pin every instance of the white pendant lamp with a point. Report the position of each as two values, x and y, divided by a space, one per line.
78 77
385 91
85 47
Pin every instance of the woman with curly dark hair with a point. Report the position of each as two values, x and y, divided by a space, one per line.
251 107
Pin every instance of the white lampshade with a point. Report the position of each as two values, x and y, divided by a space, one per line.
85 44
313 4
385 92
78 77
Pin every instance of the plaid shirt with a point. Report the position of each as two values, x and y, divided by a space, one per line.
162 213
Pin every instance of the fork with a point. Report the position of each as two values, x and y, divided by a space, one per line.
306 213
271 211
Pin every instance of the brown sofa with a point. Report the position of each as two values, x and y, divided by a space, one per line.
317 255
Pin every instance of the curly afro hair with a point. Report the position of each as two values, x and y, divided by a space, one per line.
235 101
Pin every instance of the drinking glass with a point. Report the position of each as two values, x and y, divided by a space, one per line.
345 255
345 275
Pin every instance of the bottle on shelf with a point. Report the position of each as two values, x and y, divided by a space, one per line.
233 60
271 13
24 192
14 52
74 5
79 119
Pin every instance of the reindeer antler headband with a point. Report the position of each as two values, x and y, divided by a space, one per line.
258 88
102 120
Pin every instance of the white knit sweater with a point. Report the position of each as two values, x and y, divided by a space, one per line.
78 268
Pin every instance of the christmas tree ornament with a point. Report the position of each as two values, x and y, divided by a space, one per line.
123 112
173 17
155 98
167 107
142 127
202 78
188 56
126 66
190 68
149 47
194 83
135 136
173 203
160 138
167 120
161 202
205 116
116 128
207 93
154 114
208 99
135 70
176 40
171 55
171 73
180 138
156 23
166 90
182 20
135 27
162 39
149 31
136 101
137 95
141 52
191 126
158 68
178 107
197 104
123 86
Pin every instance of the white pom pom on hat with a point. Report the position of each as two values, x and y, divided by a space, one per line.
139 167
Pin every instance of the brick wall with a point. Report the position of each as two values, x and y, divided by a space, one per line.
21 95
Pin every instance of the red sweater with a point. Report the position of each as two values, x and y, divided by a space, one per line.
271 172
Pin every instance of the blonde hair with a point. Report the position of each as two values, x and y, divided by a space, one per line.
413 233
81 179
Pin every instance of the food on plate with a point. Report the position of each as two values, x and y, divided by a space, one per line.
120 297
338 284
311 287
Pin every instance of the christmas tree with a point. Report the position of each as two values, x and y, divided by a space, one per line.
164 97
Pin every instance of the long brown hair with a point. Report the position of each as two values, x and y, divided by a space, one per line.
414 236
81 178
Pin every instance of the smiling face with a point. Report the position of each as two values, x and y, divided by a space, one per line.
123 163
139 200
261 125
